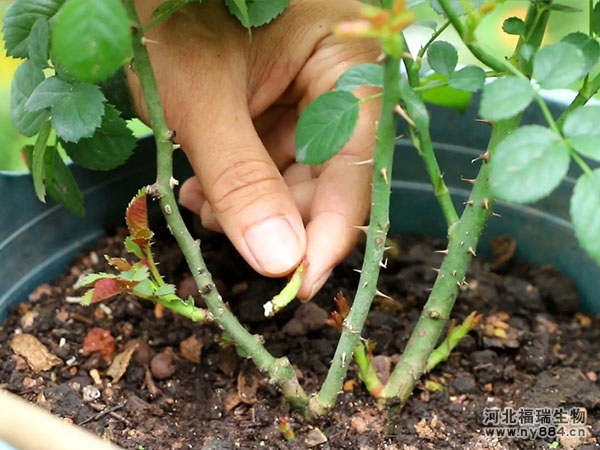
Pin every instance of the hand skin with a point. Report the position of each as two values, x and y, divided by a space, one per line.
234 103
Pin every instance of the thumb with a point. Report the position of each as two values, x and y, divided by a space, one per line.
244 189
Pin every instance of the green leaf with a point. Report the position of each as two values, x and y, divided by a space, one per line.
528 164
469 78
558 65
505 97
582 130
514 25
254 13
20 17
38 42
27 77
137 273
589 47
446 95
325 126
91 278
596 18
362 75
77 115
42 162
164 290
585 213
47 94
92 39
562 8
459 6
110 146
442 57
145 288
133 247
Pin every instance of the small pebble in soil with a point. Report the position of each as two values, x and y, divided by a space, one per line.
163 364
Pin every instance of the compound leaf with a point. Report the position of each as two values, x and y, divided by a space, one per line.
505 97
110 146
26 79
92 39
469 78
558 65
362 75
19 20
581 128
588 46
78 114
528 164
325 126
48 93
442 57
585 212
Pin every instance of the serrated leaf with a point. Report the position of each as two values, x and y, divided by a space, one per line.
105 288
362 75
136 215
585 213
144 288
582 130
514 26
38 42
48 93
325 126
168 8
528 164
446 95
92 39
254 13
121 264
78 114
27 77
137 273
558 65
91 278
505 97
459 6
133 247
165 290
86 299
110 146
589 47
469 78
442 57
20 17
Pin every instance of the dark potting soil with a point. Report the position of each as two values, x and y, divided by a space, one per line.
180 385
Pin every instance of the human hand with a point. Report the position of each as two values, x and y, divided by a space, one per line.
234 103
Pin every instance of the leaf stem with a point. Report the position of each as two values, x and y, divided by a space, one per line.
279 370
378 227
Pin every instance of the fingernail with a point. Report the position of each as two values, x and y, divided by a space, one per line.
274 245
317 285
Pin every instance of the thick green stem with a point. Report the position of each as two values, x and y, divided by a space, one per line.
279 370
367 371
462 242
375 247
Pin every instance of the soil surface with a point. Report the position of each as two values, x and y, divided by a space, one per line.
179 385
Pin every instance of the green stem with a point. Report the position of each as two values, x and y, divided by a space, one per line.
584 94
421 139
463 237
279 370
432 39
180 306
375 246
367 372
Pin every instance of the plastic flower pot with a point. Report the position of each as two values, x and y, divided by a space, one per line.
37 241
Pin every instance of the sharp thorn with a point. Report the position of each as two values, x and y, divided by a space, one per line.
485 204
471 250
488 122
398 110
443 252
383 264
468 180
494 214
383 173
145 41
381 58
469 202
436 269
483 157
366 162
363 228
357 270
400 136
378 293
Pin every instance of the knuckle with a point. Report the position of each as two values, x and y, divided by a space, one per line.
241 184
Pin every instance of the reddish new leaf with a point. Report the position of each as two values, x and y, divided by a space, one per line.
105 289
137 219
120 264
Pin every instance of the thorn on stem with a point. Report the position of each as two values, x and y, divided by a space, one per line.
381 58
487 122
363 228
383 173
453 273
443 252
471 251
494 214
383 264
378 293
485 157
146 41
173 182
357 270
485 204
469 202
398 110
435 269
468 180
